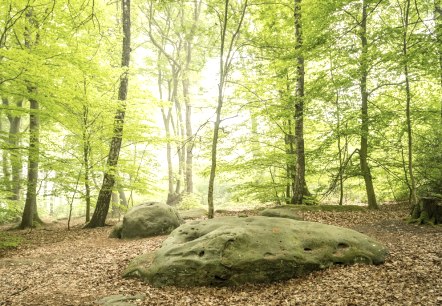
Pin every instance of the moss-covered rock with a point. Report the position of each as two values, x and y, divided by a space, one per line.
281 212
231 250
146 220
193 213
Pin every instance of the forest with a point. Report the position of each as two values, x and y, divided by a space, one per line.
333 107
218 102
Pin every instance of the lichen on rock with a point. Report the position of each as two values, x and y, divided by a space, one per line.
230 251
146 220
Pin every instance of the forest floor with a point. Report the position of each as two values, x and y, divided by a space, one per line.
56 266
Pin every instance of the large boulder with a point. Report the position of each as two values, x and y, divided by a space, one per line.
231 250
146 220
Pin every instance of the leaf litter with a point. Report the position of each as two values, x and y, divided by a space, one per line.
54 266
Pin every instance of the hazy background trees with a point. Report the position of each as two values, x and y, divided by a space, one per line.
347 94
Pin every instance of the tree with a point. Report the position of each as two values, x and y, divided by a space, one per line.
102 207
172 29
30 213
363 153
438 28
405 39
226 52
300 187
14 182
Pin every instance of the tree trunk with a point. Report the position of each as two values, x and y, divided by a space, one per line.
412 185
300 186
289 140
115 198
30 209
12 156
438 23
186 84
6 180
363 153
179 130
225 62
167 119
123 200
30 213
102 207
15 156
427 211
86 155
189 136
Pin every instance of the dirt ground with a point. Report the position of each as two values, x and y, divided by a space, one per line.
55 266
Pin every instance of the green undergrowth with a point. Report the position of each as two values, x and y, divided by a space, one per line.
8 241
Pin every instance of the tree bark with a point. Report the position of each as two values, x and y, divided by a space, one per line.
438 23
363 153
189 137
186 85
412 185
30 209
300 186
86 155
15 156
427 211
30 213
289 140
224 65
6 179
102 207
12 157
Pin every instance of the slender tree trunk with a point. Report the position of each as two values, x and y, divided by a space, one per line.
438 23
412 186
225 61
363 153
30 209
189 135
123 199
300 186
15 156
211 210
86 155
12 157
180 130
102 207
289 140
115 199
186 85
167 119
340 149
6 180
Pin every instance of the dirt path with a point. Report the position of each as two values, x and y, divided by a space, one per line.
78 267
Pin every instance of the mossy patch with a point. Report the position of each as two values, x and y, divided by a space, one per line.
8 241
229 251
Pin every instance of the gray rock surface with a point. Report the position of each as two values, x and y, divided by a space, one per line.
230 251
281 212
146 220
193 213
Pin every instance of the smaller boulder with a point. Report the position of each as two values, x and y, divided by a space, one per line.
194 213
281 212
147 220
116 230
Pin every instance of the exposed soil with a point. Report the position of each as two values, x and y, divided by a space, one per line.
55 266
